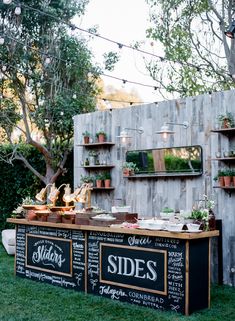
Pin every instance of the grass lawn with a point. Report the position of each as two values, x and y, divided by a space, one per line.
25 300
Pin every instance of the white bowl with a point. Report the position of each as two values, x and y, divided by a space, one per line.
166 216
172 227
193 227
121 209
157 224
143 223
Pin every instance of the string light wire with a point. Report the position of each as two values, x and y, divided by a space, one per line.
72 92
119 44
63 60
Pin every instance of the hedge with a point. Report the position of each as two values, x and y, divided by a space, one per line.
17 181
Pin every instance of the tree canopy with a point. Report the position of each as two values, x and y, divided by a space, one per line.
197 55
47 77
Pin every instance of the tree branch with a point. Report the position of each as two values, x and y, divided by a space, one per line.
30 167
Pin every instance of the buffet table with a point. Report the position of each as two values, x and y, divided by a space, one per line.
157 269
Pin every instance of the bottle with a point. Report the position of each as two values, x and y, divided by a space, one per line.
211 220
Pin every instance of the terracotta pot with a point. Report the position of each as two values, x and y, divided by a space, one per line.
98 183
86 139
227 181
126 172
31 216
221 181
68 220
226 123
101 138
54 218
107 183
42 218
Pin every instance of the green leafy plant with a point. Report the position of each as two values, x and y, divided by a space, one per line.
101 132
228 117
87 179
93 153
99 177
228 172
167 210
107 175
131 166
200 214
86 134
28 201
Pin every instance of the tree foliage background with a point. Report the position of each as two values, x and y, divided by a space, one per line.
197 55
47 77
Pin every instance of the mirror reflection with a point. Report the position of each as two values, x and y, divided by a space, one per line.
176 160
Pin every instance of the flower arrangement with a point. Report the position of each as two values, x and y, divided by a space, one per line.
204 212
208 204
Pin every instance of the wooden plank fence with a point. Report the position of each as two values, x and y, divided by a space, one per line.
148 196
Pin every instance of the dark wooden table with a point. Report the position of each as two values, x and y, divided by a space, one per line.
157 269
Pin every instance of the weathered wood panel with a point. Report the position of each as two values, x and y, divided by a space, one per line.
149 196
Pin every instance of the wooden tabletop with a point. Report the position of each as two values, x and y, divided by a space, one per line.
181 235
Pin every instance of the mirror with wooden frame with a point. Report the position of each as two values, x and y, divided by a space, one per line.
174 161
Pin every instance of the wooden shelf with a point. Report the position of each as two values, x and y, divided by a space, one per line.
232 188
162 175
91 145
224 131
103 188
98 166
228 189
224 159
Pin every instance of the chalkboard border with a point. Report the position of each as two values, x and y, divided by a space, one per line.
48 270
164 252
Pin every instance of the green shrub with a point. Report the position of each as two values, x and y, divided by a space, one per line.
18 182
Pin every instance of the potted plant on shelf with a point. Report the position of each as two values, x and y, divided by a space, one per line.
228 174
99 180
87 179
227 120
129 168
101 136
93 157
86 137
107 180
220 177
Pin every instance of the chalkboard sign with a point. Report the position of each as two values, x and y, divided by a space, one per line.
157 272
143 270
49 254
52 255
132 267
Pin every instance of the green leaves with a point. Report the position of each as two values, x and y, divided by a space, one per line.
197 58
50 76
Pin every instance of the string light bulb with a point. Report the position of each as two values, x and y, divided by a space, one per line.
18 11
7 1
2 40
47 61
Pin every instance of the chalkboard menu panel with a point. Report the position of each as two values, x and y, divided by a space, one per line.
138 268
199 274
20 250
52 255
49 254
122 253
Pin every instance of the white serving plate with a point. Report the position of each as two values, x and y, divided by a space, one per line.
106 219
175 231
155 228
193 231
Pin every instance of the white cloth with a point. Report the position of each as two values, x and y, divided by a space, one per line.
9 240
